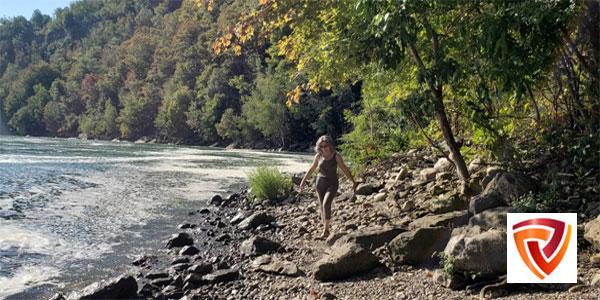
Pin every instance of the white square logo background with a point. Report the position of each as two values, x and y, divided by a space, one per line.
517 270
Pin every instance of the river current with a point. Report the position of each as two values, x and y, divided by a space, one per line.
74 211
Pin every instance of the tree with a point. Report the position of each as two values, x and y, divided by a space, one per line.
171 120
337 41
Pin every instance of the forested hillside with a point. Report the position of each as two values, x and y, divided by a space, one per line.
145 69
467 77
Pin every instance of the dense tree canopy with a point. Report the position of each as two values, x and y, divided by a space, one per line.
145 69
477 60
464 77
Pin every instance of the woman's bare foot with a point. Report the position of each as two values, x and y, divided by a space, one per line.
325 234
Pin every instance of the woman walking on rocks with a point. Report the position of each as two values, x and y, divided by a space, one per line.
327 160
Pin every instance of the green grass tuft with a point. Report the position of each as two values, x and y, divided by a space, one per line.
268 184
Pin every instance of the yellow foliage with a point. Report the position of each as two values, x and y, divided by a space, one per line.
237 50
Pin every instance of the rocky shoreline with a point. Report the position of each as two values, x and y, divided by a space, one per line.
385 243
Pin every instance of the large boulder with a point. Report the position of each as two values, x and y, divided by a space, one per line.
179 240
592 233
370 238
494 218
504 188
255 220
259 245
417 246
428 174
451 219
124 287
343 262
277 266
365 189
475 251
450 201
443 165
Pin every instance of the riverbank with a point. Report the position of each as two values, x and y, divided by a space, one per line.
227 252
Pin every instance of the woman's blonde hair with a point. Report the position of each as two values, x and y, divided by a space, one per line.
325 139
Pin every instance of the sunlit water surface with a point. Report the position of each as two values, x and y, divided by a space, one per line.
73 211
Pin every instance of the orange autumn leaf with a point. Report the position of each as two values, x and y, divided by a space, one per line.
237 50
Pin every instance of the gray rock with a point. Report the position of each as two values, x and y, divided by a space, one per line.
443 176
443 165
239 217
504 188
592 233
261 260
402 174
370 238
428 174
58 296
180 260
155 275
259 245
281 267
595 282
256 219
179 240
365 189
343 262
451 219
450 201
172 292
180 267
189 250
187 226
380 197
334 237
215 200
407 206
476 251
475 165
416 247
224 275
484 202
202 268
494 218
447 281
163 281
193 278
124 287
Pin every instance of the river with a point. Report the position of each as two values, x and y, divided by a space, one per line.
75 211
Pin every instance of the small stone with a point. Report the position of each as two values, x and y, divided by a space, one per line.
58 296
223 237
407 206
596 280
186 226
595 259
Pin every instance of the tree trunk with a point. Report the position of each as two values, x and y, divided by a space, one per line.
440 115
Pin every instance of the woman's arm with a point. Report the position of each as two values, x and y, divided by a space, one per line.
310 171
345 170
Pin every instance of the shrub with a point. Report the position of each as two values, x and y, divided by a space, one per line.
267 184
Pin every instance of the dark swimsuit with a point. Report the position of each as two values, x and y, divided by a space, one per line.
327 184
